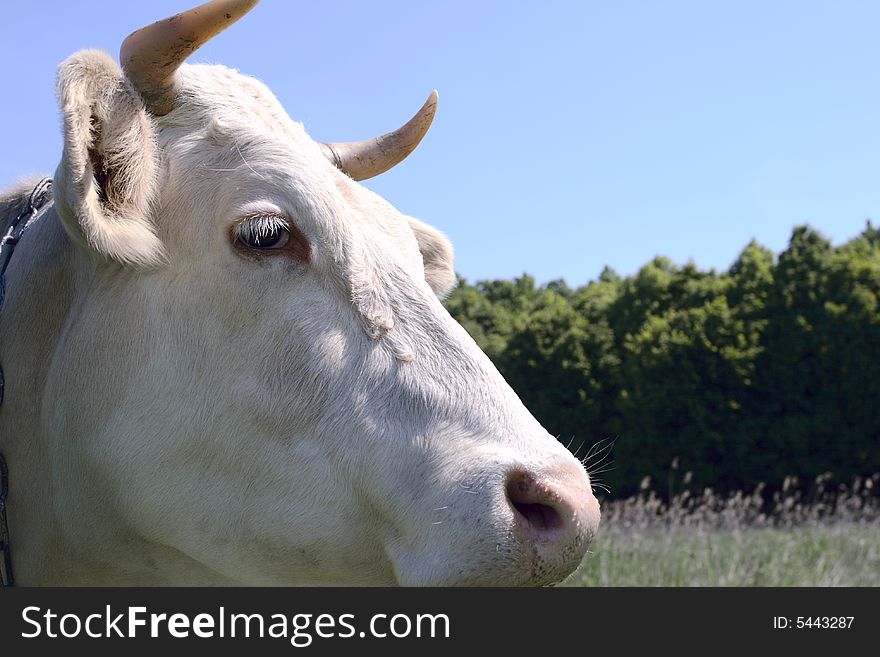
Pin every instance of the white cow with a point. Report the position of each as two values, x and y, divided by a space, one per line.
226 361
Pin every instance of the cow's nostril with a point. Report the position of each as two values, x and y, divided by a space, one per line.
539 516
533 503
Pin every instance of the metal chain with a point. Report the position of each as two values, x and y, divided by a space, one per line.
39 201
6 576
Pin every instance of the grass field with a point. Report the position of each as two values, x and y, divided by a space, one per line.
826 538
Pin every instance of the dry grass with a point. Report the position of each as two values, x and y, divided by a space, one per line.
827 537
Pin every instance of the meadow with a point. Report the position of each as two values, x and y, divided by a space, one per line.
828 536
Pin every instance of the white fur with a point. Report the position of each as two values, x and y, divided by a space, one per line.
216 419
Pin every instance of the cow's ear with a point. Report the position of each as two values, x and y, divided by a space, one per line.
106 184
436 256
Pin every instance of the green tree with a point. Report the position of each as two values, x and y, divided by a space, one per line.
763 371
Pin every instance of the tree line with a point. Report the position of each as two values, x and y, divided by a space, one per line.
747 376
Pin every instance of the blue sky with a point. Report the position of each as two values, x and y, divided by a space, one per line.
570 135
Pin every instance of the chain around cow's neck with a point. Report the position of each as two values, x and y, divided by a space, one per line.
38 201
6 576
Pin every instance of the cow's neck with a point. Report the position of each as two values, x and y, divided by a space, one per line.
59 533
38 292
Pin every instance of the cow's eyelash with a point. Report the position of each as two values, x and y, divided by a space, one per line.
260 226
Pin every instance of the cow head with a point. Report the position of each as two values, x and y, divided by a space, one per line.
275 393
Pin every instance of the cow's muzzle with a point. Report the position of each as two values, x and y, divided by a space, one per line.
555 517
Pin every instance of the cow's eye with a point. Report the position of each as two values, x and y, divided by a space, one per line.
263 232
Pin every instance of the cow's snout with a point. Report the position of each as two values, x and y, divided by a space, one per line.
514 520
555 516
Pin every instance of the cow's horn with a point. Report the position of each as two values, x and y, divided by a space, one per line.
365 159
151 55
